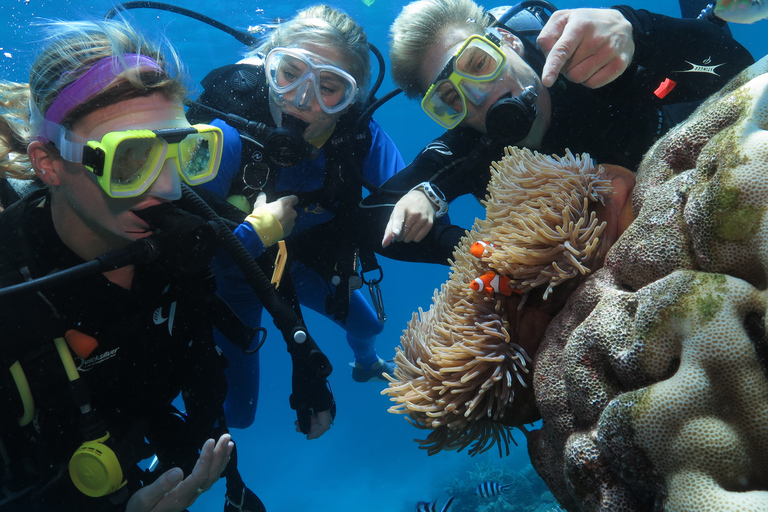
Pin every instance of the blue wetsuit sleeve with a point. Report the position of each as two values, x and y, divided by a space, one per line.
384 159
249 238
230 160
228 169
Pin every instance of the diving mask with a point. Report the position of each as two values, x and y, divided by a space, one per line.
126 163
300 71
466 76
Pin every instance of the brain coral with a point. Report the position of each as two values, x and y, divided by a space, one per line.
652 382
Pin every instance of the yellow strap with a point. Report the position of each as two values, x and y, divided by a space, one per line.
66 359
282 257
24 392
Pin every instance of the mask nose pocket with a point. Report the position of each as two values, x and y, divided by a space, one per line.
305 95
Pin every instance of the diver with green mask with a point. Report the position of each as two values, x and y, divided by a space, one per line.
608 82
92 366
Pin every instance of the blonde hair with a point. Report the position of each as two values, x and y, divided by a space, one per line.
326 26
419 26
73 49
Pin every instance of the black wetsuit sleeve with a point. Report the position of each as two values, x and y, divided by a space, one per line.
454 163
443 163
698 55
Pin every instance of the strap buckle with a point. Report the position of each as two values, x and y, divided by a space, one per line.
376 297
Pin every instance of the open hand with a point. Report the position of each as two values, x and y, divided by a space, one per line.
170 493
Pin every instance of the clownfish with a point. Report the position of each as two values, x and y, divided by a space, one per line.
481 249
491 283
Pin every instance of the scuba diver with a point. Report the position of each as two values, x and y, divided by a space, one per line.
608 82
92 366
297 154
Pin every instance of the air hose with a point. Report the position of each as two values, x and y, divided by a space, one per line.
284 317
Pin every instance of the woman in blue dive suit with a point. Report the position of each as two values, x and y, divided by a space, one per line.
296 155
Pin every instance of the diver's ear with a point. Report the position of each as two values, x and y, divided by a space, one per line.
512 40
45 161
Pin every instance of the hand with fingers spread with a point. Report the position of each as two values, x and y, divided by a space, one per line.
170 493
592 47
411 219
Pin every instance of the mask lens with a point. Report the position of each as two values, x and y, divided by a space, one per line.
285 71
197 157
134 164
444 103
335 89
479 61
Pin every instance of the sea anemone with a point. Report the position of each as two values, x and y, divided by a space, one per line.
539 218
461 371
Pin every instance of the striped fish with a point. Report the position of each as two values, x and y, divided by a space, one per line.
491 489
425 506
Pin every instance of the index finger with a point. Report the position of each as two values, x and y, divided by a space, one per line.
566 42
394 226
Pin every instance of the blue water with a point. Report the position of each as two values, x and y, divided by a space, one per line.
368 460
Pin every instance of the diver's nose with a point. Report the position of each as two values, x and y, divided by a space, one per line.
168 182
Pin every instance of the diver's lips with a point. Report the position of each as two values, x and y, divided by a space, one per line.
296 115
142 226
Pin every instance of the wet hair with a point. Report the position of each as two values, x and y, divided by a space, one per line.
72 49
325 26
419 26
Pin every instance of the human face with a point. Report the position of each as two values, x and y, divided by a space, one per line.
290 69
82 210
513 77
302 102
467 77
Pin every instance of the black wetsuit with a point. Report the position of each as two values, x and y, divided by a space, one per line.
615 124
154 342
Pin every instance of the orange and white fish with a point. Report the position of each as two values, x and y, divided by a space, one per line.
481 249
741 11
491 283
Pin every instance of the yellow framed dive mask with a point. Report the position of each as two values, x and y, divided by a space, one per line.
126 163
478 60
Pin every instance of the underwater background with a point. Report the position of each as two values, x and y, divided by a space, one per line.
368 461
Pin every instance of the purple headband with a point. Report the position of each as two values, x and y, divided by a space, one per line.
94 81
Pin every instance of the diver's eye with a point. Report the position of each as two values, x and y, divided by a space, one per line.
450 96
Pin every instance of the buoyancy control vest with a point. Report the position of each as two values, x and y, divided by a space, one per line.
332 249
47 411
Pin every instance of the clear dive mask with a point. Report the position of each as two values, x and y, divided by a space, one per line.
304 73
466 77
